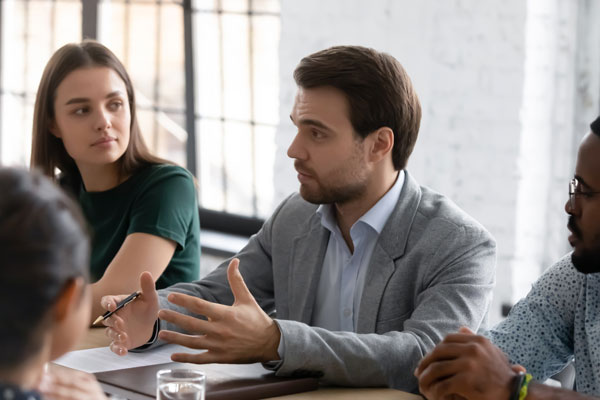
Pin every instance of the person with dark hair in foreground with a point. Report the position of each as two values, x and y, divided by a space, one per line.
558 321
45 299
363 272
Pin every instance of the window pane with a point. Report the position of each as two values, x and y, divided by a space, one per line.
207 68
237 89
31 32
268 6
211 172
266 69
148 38
235 66
172 59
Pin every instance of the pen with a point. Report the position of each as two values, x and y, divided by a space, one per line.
120 305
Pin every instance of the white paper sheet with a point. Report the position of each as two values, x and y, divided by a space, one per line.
102 359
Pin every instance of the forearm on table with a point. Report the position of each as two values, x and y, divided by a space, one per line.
538 391
350 359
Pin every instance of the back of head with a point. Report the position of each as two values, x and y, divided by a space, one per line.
378 89
43 246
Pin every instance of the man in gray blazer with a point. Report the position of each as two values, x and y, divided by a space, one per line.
356 277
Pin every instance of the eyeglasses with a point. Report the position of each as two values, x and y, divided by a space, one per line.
575 191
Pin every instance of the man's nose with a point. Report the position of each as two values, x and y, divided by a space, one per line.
296 149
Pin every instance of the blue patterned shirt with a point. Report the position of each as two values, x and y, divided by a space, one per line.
558 321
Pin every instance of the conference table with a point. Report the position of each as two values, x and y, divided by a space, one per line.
96 338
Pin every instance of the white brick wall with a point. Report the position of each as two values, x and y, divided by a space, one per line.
496 82
546 139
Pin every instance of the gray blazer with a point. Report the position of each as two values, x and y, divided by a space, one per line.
432 271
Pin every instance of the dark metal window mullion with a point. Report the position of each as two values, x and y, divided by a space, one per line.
89 19
190 105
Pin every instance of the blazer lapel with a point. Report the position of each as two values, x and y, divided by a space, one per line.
307 261
391 245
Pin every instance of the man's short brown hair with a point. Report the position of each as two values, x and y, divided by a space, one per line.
378 89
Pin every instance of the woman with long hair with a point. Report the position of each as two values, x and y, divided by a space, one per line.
142 210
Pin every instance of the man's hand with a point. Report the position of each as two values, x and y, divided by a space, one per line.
466 366
132 325
241 333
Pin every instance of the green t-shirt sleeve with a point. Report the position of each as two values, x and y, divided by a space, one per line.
165 205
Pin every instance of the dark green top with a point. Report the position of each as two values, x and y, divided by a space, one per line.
159 200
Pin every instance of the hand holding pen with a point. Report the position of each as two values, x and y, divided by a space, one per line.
120 305
132 325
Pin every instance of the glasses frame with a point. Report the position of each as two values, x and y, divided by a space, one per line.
575 190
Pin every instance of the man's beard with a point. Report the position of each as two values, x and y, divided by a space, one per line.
588 261
330 195
349 183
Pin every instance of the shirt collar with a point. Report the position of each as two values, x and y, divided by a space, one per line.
377 215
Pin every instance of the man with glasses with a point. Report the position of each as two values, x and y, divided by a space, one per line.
558 321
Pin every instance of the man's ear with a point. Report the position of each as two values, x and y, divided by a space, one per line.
53 128
381 143
68 298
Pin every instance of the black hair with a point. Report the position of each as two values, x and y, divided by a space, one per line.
43 246
595 126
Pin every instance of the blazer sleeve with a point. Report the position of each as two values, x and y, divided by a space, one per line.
454 289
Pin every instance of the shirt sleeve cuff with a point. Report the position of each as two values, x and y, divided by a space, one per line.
276 364
152 339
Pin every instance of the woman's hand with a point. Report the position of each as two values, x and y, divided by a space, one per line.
60 383
132 325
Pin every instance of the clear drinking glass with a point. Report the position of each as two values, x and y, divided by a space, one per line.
180 384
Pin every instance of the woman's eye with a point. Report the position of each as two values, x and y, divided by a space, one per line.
81 111
116 105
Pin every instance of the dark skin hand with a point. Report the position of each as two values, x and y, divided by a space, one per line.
468 366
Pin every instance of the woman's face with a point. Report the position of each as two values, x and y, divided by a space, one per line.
92 116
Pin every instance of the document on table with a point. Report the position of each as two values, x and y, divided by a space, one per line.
102 359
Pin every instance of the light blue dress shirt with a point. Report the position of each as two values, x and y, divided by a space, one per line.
343 273
558 320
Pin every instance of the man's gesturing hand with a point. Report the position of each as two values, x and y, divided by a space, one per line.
241 333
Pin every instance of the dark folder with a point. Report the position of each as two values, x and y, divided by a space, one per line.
223 381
